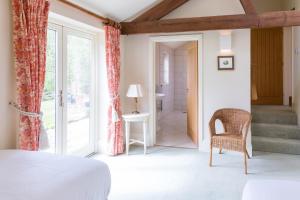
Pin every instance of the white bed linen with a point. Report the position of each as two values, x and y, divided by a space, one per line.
272 190
41 176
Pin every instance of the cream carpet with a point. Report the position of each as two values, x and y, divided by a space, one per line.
183 174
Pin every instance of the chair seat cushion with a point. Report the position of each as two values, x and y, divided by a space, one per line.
228 141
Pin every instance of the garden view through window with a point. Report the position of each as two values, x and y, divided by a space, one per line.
67 103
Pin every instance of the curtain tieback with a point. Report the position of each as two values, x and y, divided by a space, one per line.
28 114
114 115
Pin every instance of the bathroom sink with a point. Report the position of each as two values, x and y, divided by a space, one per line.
159 96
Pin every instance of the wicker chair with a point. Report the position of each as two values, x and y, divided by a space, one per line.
236 124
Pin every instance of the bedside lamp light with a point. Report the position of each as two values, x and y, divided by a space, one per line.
135 91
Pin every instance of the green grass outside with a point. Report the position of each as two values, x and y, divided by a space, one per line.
48 109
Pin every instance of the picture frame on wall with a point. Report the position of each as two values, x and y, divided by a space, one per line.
225 62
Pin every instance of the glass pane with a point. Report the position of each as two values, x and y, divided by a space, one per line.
78 94
166 69
48 99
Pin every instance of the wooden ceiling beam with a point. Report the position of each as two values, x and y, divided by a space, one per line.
266 20
279 19
190 24
160 10
248 6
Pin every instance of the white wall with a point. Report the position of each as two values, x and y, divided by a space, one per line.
287 64
72 13
223 89
7 78
200 8
268 5
296 73
289 4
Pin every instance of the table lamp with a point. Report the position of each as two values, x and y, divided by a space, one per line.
135 91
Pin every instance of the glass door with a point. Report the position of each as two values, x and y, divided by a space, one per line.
68 98
78 87
51 114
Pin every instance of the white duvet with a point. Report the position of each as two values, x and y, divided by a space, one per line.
41 176
271 190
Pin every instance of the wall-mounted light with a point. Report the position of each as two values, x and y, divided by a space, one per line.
225 42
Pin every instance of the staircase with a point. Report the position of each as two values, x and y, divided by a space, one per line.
275 129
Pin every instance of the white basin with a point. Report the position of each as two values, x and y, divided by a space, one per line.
159 96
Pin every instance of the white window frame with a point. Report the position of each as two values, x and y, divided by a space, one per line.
166 69
64 27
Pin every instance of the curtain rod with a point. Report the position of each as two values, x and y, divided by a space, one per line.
105 20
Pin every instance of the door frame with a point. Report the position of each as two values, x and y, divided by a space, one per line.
152 72
65 25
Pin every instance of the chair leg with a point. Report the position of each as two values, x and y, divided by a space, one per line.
247 154
220 151
245 162
210 157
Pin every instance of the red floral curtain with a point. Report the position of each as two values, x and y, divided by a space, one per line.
30 19
115 132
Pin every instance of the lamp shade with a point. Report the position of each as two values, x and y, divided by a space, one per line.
135 90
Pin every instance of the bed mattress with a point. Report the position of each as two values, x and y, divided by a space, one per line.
271 190
41 176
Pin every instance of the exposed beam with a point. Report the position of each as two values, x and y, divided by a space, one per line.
160 10
279 19
190 24
248 7
105 20
267 20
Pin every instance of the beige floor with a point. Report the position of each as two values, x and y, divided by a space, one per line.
173 131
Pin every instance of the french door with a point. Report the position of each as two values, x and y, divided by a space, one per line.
69 94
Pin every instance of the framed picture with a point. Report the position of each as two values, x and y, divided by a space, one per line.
225 62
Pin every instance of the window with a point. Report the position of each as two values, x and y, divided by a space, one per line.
166 69
68 103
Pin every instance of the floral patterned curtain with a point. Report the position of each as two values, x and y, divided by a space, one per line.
115 132
30 19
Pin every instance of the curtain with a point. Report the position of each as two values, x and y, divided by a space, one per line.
115 132
30 19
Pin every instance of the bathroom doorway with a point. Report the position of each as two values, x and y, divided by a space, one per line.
176 87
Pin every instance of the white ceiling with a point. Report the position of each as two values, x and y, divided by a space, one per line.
126 10
119 10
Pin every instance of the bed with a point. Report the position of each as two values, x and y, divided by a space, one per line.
271 190
41 176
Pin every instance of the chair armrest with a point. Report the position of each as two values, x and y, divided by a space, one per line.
212 126
246 130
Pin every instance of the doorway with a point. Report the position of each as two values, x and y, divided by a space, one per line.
68 102
153 40
177 94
